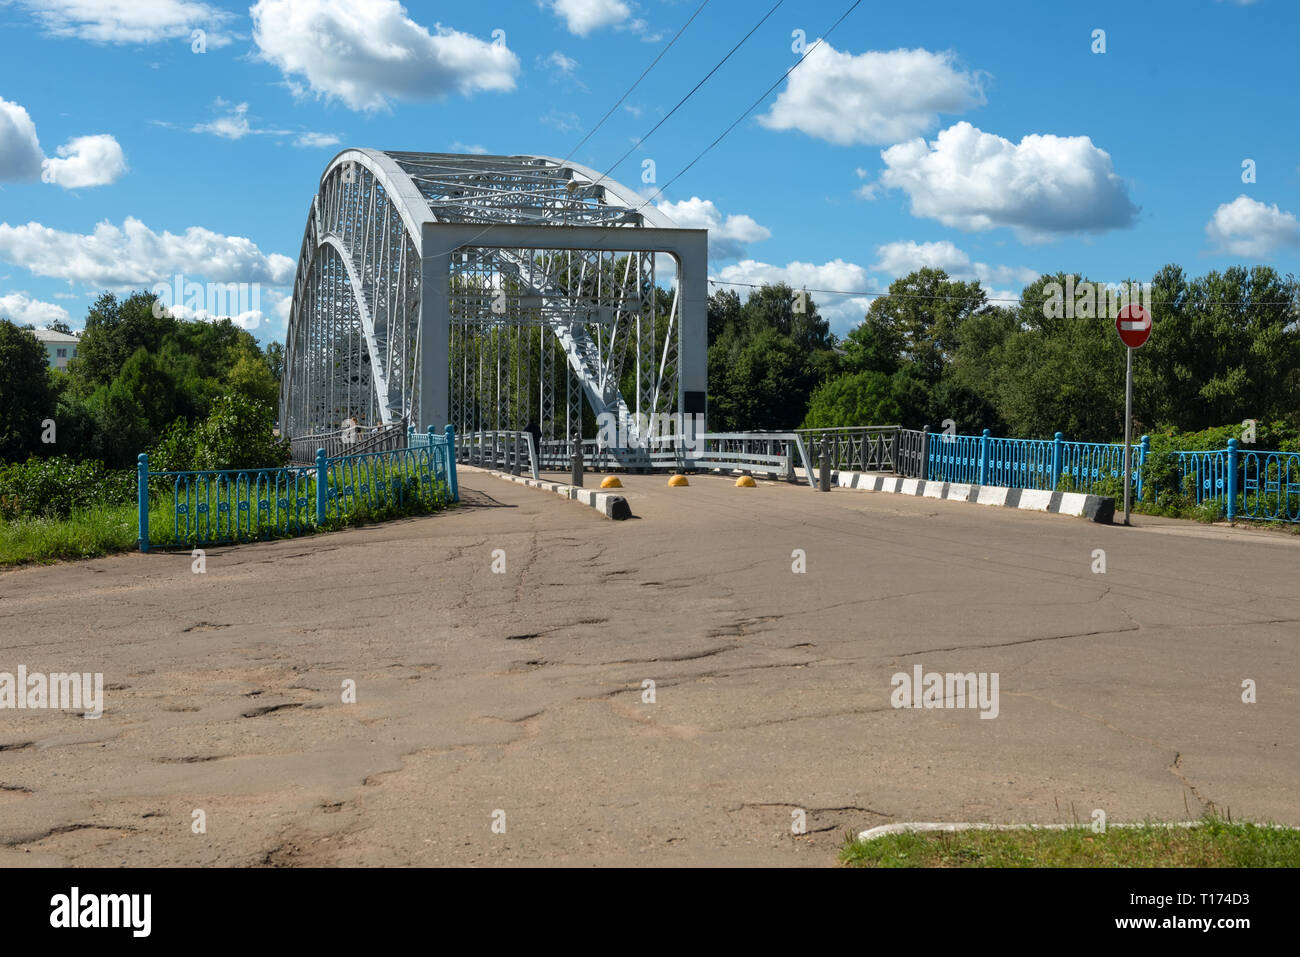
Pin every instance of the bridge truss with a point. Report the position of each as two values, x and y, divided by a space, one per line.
490 292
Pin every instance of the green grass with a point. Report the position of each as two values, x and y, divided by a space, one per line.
86 533
1215 843
104 530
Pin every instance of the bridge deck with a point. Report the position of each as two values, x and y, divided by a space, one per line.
522 691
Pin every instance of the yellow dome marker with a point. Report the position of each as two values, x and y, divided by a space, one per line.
677 481
611 481
746 481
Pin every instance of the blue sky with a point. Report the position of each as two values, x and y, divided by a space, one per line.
988 139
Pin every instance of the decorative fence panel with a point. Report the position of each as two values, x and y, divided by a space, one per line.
238 505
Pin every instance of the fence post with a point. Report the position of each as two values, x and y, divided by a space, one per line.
1143 449
322 485
1232 480
922 468
893 448
410 434
823 469
453 484
1058 447
575 462
142 499
984 457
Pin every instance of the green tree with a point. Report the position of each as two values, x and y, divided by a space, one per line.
27 397
853 398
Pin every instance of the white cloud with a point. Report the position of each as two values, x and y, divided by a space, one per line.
86 161
584 16
561 62
1041 187
233 126
459 147
21 309
727 236
316 140
20 150
130 21
562 121
843 312
906 256
82 161
872 97
134 255
365 52
1246 227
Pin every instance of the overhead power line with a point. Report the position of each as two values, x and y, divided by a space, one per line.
717 66
643 75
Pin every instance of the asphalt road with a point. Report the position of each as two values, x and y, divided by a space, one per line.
522 691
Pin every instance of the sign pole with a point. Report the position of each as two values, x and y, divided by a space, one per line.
1134 327
1128 429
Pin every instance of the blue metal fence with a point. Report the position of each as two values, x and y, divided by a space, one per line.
1028 463
1260 485
233 505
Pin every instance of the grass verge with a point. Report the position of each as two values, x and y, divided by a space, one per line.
1214 843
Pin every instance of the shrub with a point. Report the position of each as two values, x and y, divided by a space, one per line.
54 487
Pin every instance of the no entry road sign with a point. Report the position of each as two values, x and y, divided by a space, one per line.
1133 325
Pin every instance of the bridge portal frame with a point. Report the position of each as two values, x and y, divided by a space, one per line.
362 325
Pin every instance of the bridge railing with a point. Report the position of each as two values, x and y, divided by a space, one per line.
506 451
1028 463
872 448
226 506
352 441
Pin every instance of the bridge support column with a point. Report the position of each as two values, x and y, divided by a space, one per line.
435 331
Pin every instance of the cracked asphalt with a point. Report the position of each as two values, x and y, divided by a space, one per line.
522 692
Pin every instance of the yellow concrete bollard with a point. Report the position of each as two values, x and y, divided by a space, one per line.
610 481
677 481
746 481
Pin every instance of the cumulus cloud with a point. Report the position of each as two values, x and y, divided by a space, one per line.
872 97
82 161
21 309
905 256
20 150
1041 187
1246 227
134 255
85 161
728 236
585 16
843 312
130 21
366 52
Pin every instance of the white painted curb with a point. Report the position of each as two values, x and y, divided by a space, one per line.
1096 508
885 830
607 504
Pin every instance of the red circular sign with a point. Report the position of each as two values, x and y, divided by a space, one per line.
1133 325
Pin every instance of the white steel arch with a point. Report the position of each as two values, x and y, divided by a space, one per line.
490 291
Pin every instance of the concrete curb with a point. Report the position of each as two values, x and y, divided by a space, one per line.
885 830
611 506
1095 508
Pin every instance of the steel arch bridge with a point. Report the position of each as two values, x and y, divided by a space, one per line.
488 292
